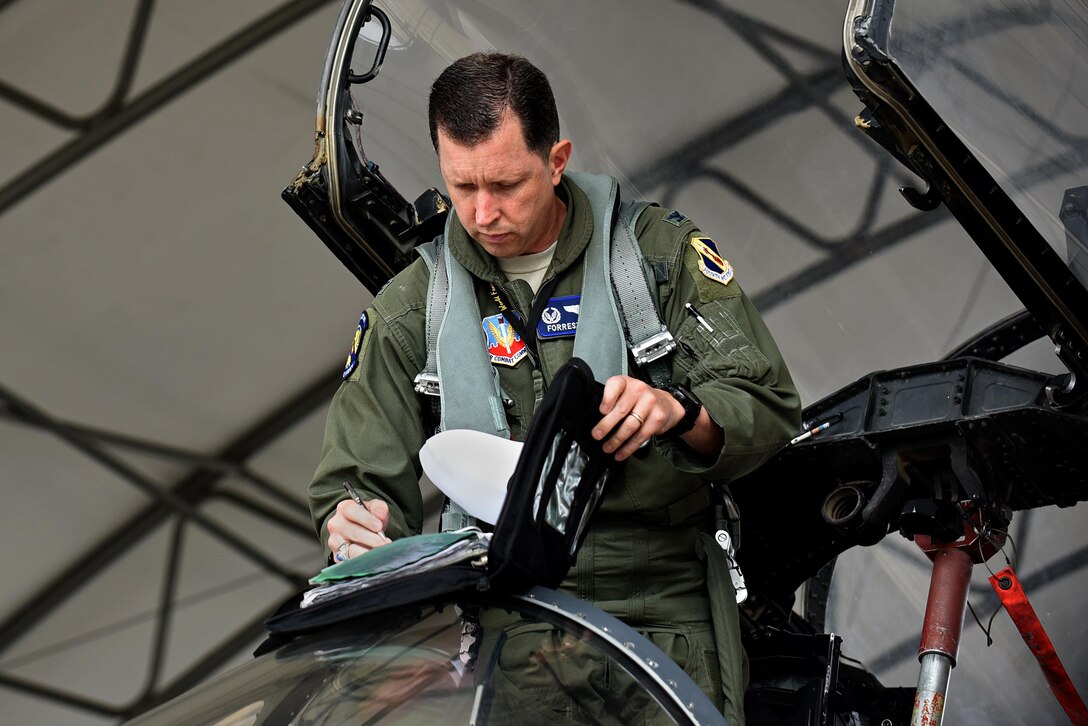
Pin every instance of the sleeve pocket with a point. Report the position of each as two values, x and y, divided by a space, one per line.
725 352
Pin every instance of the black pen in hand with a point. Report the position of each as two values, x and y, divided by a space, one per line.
359 500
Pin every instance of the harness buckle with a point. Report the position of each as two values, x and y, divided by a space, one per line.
654 347
427 384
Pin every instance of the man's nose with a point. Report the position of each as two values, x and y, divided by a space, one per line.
487 209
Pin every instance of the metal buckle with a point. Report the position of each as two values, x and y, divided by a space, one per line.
726 543
654 347
427 384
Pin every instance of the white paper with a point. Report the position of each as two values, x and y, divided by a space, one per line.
471 468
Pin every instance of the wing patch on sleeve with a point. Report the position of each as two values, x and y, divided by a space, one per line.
356 345
675 218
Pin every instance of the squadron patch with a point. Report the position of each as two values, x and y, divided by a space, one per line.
560 317
711 263
356 344
675 218
503 342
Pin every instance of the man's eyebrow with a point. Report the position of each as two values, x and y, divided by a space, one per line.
511 177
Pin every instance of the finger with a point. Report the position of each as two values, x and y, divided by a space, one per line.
362 515
622 434
334 542
354 549
353 534
639 404
633 444
613 389
649 416
355 523
619 398
347 548
380 510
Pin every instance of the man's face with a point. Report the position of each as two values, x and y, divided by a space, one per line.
503 193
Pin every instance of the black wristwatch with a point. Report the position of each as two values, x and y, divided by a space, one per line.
691 406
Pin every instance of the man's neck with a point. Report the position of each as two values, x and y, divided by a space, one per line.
550 235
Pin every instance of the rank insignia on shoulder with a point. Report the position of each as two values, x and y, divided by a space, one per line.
675 218
711 263
503 342
560 317
356 345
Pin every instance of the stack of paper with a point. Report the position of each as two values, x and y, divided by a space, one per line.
406 556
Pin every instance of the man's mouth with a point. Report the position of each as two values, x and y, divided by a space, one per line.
493 238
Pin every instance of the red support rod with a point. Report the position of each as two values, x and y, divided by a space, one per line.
947 602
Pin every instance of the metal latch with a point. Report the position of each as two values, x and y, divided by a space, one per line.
654 347
427 384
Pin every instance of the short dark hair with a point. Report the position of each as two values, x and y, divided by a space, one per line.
468 101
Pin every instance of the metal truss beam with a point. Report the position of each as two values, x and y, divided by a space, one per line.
166 497
189 492
122 116
159 451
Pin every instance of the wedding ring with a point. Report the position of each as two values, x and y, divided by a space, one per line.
637 418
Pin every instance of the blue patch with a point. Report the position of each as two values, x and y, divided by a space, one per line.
560 318
675 218
356 343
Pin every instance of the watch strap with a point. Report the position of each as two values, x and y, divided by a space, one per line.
691 412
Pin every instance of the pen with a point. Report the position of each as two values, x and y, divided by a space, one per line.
700 318
817 429
358 500
352 493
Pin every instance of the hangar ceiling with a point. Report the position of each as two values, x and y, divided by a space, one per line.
172 333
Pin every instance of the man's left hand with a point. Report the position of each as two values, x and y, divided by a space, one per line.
637 411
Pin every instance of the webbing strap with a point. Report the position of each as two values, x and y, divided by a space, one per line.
453 516
452 310
599 340
1015 600
427 380
648 339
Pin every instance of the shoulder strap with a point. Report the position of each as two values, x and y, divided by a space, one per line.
453 516
648 339
437 298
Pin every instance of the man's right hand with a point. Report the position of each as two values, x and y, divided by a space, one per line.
357 528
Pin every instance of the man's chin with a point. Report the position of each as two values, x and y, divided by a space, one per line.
500 245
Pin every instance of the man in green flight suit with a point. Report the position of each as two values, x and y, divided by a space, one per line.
525 231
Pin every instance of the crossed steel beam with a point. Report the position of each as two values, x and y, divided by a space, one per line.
180 503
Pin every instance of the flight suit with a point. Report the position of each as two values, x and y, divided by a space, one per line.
642 559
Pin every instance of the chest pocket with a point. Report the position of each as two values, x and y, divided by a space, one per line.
725 352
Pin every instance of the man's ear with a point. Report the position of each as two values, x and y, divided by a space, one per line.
558 158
